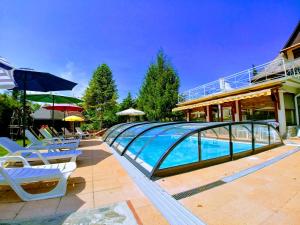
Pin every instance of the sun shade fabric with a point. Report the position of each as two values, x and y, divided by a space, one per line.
73 119
6 78
130 112
227 99
31 80
49 98
64 107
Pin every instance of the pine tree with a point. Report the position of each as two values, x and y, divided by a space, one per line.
100 98
128 102
159 92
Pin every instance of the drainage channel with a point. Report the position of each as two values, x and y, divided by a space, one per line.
225 180
174 212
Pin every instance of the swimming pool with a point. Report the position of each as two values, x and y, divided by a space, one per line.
158 147
186 152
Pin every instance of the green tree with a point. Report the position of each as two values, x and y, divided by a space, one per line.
100 98
159 92
128 102
7 105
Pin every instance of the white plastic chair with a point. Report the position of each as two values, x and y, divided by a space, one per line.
35 155
15 177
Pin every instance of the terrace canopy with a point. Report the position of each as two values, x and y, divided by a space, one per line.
160 149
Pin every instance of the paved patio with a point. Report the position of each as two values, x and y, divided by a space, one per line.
98 181
268 196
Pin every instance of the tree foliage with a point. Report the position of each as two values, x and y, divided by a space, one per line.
100 98
128 102
7 105
159 92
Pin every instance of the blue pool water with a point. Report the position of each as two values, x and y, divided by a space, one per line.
184 153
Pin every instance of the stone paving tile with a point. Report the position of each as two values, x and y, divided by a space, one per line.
150 216
38 208
71 203
10 211
182 182
268 196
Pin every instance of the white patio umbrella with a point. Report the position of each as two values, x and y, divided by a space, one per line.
130 112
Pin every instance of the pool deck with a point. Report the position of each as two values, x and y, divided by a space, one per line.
270 195
98 181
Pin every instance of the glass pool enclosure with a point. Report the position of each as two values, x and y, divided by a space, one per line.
162 149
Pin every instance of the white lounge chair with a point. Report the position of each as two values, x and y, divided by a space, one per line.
36 155
81 133
46 144
15 177
56 140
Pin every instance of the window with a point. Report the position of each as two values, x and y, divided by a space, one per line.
296 53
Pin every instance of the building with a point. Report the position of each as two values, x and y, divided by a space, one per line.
266 92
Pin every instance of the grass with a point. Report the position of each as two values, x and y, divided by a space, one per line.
20 142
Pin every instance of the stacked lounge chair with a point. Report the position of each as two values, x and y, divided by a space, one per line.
54 140
33 154
35 143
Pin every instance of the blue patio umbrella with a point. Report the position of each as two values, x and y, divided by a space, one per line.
31 80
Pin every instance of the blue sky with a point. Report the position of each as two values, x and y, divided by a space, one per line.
203 39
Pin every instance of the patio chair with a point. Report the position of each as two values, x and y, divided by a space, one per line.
82 134
56 140
36 155
70 134
35 143
61 135
54 132
15 177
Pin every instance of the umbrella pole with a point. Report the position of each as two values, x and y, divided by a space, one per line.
64 123
52 113
24 109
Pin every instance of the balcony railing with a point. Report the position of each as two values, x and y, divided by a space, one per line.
275 69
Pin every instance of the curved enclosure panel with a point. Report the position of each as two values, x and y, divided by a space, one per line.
161 149
119 130
112 129
124 139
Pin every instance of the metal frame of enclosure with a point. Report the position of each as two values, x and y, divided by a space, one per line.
162 149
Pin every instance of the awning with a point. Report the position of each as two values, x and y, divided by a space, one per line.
254 94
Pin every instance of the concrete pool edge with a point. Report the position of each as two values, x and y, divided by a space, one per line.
174 212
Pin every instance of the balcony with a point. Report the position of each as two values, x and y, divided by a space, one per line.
276 69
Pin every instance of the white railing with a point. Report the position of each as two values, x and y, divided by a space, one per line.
275 69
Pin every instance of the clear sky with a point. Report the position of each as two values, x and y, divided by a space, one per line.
203 39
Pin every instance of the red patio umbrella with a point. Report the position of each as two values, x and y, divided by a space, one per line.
64 108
